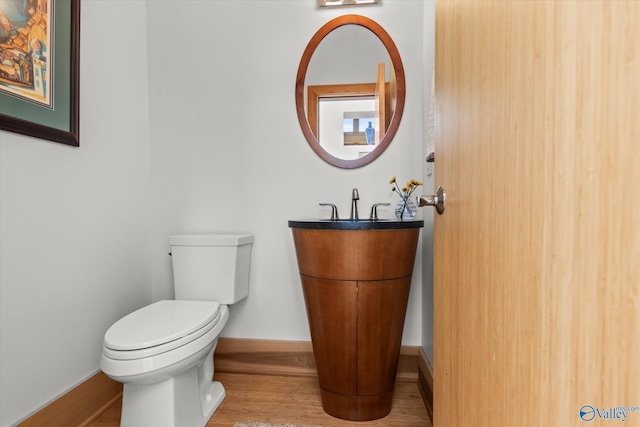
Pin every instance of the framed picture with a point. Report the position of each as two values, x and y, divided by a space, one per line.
39 69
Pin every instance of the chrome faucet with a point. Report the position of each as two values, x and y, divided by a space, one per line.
374 211
334 211
354 205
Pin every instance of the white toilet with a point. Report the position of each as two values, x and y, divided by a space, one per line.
163 353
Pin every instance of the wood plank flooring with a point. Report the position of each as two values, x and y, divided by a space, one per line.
292 399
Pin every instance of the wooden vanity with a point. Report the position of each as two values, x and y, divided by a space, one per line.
356 277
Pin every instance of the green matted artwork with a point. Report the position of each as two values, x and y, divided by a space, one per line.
39 69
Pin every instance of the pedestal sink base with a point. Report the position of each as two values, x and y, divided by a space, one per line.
356 284
356 408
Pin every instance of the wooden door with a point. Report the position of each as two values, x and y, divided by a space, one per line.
537 256
381 102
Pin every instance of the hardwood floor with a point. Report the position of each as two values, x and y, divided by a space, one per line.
292 399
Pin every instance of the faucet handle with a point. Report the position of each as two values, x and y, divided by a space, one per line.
334 211
374 211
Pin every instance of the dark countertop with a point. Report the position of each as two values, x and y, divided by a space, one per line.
363 224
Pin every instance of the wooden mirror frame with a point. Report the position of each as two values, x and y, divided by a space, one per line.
386 39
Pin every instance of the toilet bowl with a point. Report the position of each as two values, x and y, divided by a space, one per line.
163 353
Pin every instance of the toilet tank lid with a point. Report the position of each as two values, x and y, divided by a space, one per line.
217 239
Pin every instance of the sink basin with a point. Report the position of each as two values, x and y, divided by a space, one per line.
355 250
347 224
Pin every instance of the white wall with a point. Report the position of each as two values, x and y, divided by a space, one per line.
74 223
227 152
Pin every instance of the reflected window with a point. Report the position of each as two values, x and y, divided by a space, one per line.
343 125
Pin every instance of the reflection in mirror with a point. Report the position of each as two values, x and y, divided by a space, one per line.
342 126
350 86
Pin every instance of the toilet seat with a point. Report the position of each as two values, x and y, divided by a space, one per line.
159 328
164 365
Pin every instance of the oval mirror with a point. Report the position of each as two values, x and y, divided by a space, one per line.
350 91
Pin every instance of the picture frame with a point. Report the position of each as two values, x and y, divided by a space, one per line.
59 121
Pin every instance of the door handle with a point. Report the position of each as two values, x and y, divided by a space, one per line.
437 200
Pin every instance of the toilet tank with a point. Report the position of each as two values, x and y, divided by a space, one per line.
211 267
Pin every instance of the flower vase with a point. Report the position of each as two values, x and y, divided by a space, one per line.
370 133
406 208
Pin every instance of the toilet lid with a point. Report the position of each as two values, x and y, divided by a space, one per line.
160 323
